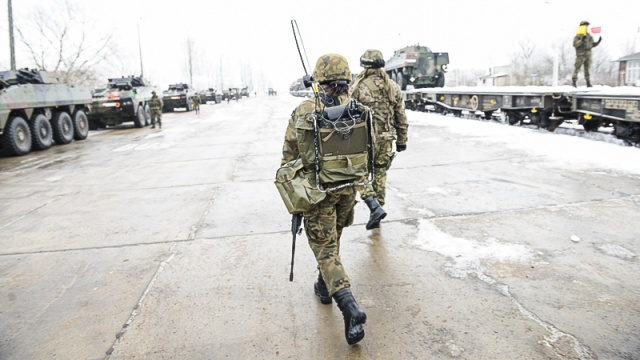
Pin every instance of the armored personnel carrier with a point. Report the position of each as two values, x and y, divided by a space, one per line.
177 96
210 95
37 110
125 99
417 66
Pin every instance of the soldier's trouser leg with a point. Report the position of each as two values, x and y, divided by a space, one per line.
587 68
382 163
580 60
323 226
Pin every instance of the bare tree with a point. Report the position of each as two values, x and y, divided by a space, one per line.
522 62
57 40
603 69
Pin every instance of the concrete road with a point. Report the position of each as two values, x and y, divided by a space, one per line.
174 244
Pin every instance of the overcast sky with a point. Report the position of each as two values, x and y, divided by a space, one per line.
256 34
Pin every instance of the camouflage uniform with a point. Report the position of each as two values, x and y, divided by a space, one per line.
196 103
373 88
323 224
156 110
583 42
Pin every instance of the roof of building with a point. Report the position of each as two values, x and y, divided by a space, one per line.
635 56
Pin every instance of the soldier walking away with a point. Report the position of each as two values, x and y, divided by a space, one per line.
373 88
156 110
323 224
583 42
196 103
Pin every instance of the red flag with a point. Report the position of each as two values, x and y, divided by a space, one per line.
595 30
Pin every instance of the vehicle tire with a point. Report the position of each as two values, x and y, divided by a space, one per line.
41 133
140 120
401 82
440 81
16 139
147 114
62 125
188 106
80 125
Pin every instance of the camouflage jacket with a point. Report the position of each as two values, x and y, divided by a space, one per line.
300 119
584 43
374 89
155 103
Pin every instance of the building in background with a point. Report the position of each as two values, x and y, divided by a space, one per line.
629 70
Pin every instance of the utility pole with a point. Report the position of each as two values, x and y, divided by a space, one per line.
140 48
11 44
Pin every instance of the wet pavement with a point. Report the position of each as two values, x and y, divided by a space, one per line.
174 244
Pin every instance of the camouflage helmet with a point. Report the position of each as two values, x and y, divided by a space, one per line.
372 59
331 67
584 23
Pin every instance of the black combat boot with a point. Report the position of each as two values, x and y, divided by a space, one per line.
574 82
354 317
588 83
320 288
377 212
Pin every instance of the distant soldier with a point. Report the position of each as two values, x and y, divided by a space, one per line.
583 42
373 88
196 103
156 110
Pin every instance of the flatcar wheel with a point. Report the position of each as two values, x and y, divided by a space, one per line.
511 120
591 125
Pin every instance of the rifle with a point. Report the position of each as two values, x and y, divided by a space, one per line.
296 223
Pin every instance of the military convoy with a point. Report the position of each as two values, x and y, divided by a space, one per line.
178 96
417 66
37 110
125 99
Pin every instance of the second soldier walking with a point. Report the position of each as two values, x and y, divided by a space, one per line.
374 89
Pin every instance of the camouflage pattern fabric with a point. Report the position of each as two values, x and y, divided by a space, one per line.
331 67
373 88
324 223
196 103
323 226
156 115
155 104
583 42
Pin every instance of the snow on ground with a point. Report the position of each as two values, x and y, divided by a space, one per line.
583 151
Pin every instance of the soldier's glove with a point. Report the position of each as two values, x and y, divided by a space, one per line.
401 147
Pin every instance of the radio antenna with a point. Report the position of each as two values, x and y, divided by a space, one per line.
296 34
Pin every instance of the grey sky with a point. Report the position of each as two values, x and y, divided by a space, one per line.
257 34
